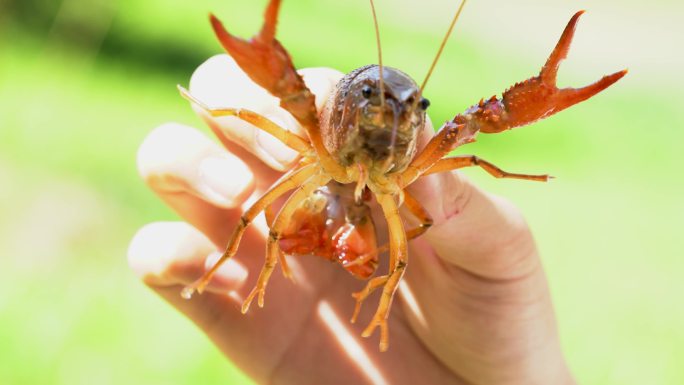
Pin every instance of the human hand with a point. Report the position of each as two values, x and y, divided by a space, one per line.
473 306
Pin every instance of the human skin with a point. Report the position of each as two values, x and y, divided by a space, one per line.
474 307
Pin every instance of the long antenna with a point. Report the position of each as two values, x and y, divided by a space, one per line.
441 47
377 39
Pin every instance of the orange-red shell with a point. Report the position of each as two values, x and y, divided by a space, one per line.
331 225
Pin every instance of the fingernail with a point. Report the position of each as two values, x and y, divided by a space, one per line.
229 276
161 252
224 180
276 149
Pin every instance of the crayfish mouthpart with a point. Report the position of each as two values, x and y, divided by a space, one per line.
187 292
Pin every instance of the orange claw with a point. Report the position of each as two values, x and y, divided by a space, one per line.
535 98
269 65
262 57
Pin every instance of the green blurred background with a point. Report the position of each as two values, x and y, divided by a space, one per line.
82 83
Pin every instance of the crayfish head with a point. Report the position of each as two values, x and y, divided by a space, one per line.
374 123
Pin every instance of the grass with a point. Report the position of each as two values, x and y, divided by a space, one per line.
70 124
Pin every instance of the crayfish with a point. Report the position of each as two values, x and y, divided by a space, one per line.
361 147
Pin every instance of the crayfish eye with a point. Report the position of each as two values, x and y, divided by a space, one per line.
366 92
424 104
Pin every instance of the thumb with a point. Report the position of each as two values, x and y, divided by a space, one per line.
474 230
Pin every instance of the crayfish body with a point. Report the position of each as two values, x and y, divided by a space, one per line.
363 145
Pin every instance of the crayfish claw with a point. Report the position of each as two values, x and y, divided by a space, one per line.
550 70
257 57
269 65
537 97
262 57
569 96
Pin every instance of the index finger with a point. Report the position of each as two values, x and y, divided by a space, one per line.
220 83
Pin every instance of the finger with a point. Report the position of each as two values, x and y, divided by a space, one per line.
169 255
197 178
321 81
175 158
475 230
175 253
476 284
219 82
173 161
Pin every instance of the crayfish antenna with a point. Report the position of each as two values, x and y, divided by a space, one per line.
441 48
377 40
